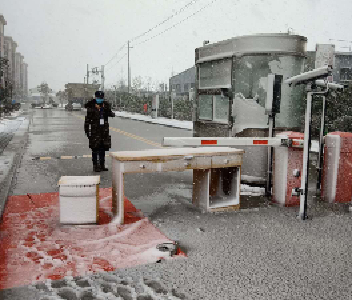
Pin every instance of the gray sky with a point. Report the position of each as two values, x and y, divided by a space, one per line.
59 37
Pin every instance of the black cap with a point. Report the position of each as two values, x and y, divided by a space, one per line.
99 94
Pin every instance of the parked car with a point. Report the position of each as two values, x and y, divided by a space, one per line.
46 106
76 106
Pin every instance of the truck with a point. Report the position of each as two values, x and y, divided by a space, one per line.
79 93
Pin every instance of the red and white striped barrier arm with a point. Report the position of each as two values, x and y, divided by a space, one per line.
230 141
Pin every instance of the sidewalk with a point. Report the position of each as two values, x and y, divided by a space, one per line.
13 139
188 125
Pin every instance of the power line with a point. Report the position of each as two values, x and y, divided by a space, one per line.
173 26
164 21
116 62
161 23
118 51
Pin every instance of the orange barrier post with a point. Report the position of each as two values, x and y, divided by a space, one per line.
337 168
287 171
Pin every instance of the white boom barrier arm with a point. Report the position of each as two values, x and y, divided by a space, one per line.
231 142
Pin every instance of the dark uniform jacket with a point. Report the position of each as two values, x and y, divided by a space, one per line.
98 134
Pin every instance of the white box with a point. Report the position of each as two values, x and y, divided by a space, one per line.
79 199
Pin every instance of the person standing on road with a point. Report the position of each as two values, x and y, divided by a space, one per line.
96 127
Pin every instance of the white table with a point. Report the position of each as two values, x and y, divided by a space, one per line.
216 173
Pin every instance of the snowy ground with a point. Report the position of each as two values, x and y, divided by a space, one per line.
265 253
160 120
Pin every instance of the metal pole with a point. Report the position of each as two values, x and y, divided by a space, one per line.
304 179
321 144
172 107
102 77
270 155
129 79
87 74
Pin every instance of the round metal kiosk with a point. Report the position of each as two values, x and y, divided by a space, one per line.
231 83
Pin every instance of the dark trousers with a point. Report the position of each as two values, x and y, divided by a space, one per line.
101 152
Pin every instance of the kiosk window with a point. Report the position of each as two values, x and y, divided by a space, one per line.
214 108
215 74
205 107
221 108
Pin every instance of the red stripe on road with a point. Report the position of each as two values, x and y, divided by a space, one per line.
260 142
209 142
36 247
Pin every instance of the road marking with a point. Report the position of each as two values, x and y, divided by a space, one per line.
64 157
44 157
61 157
128 134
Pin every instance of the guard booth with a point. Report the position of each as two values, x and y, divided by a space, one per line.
231 91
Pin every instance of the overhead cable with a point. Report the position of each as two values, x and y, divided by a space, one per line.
164 21
173 26
118 51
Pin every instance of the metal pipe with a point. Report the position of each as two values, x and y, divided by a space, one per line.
270 155
307 142
321 144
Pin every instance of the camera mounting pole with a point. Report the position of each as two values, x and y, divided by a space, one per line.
313 82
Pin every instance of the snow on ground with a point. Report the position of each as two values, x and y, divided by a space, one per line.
160 120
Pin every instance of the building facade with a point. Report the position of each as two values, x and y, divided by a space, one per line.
2 51
10 65
183 83
341 63
25 81
14 71
8 54
14 76
21 92
18 75
342 72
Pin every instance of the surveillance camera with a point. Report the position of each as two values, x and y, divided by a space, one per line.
310 76
330 85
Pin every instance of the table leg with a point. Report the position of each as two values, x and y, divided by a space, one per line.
201 183
118 194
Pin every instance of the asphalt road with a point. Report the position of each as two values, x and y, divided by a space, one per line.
266 253
54 133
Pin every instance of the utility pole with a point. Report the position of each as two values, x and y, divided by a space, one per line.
102 77
87 74
128 58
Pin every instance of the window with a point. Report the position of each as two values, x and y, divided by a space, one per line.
214 108
345 74
185 87
205 107
215 74
221 108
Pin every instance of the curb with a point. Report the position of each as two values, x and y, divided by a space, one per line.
151 122
12 155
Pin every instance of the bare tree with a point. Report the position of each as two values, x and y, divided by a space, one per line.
137 83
